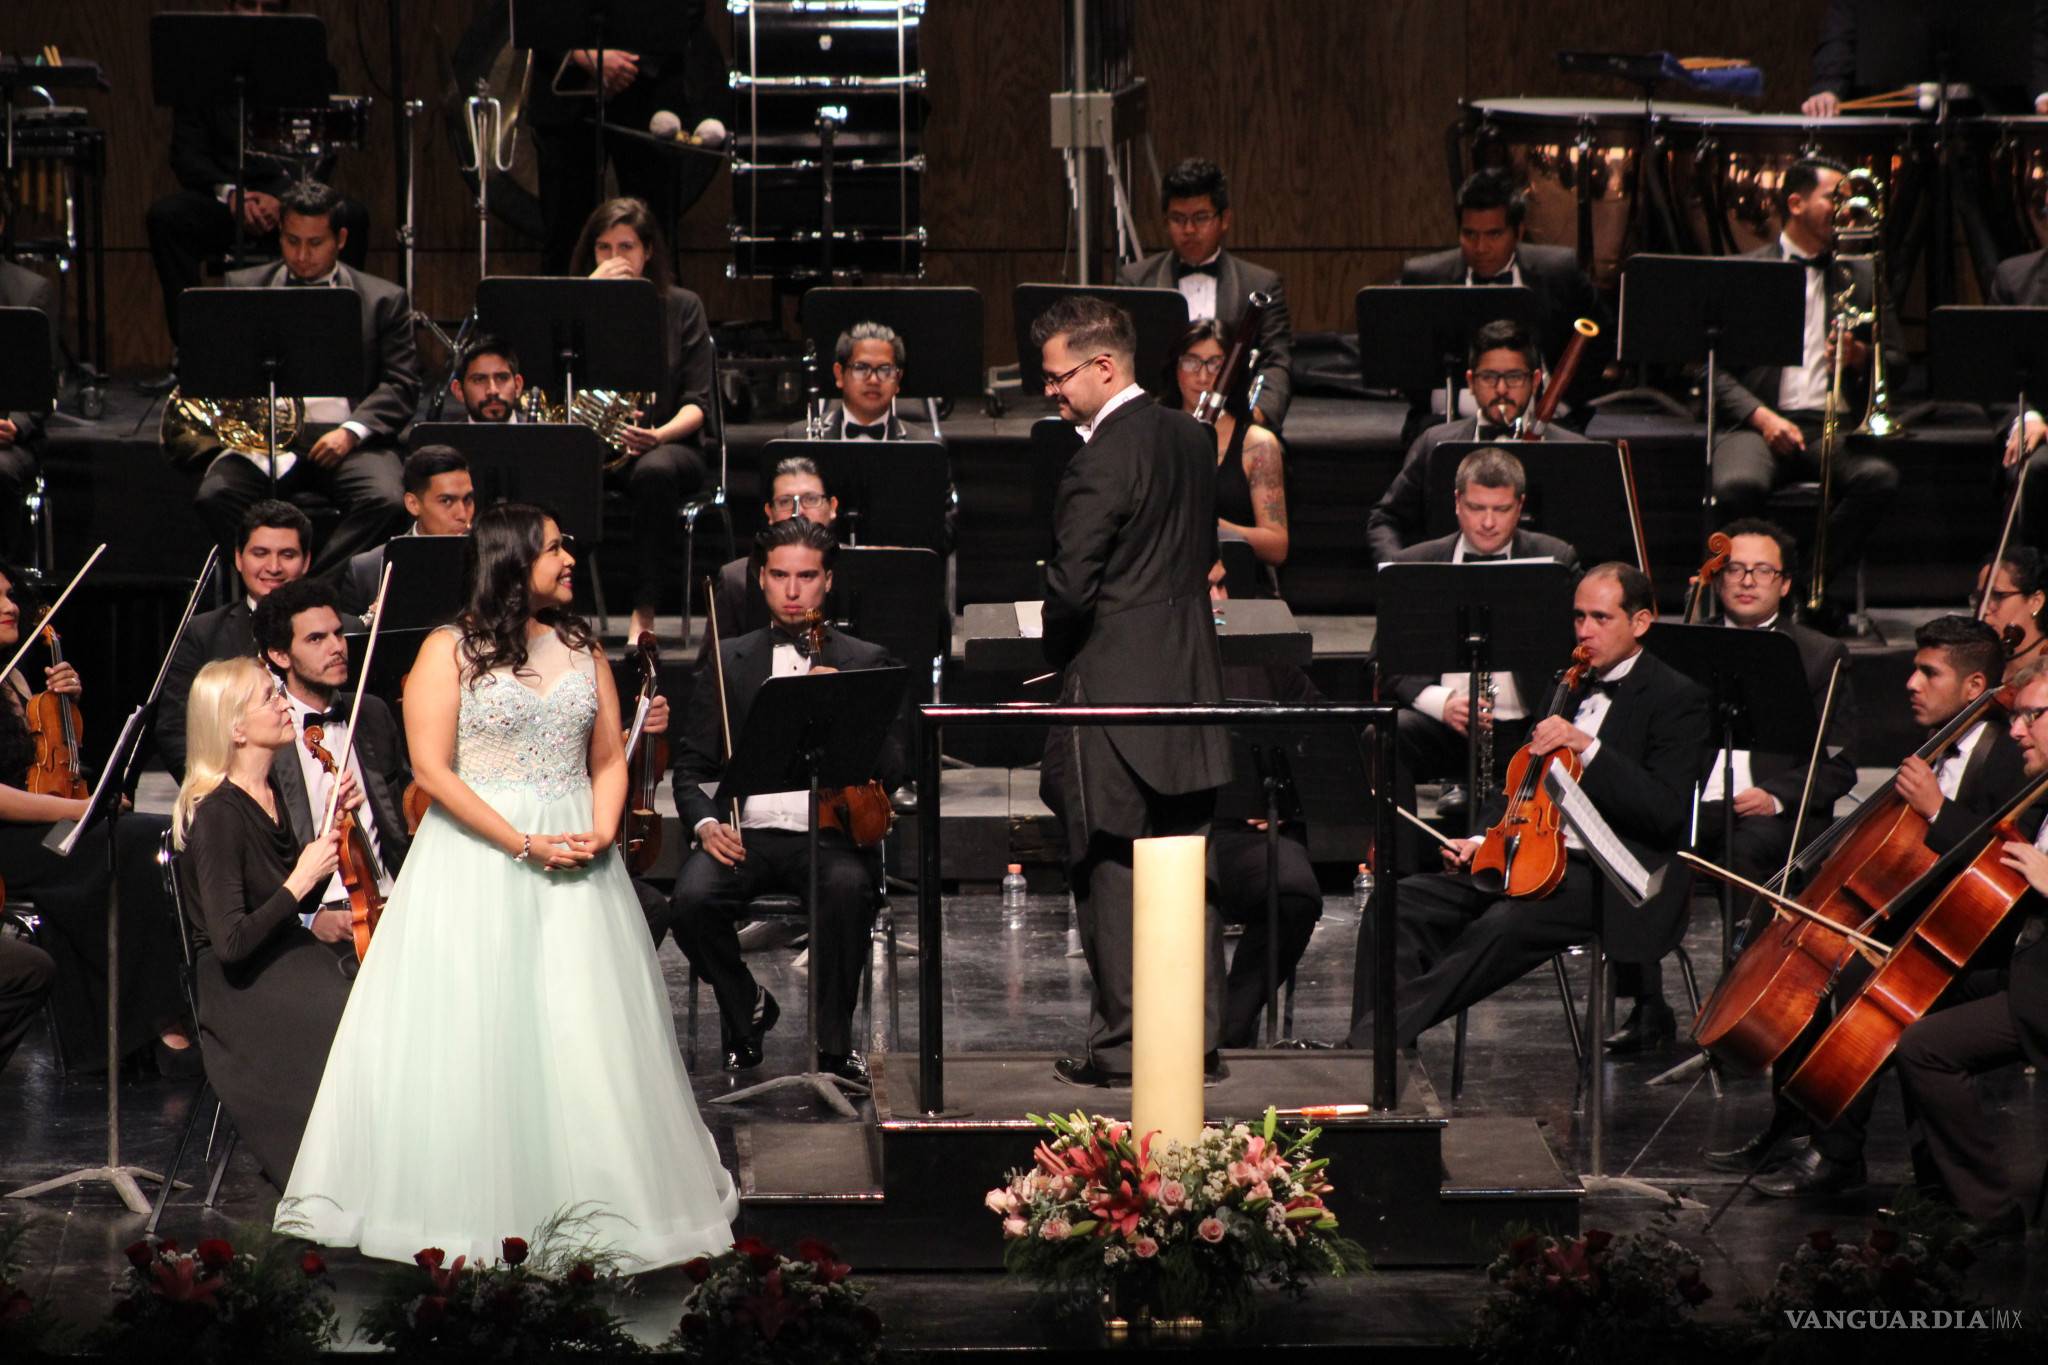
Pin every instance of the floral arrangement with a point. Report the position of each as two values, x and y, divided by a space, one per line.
754 1306
547 1295
28 1325
1591 1297
1165 1232
268 1301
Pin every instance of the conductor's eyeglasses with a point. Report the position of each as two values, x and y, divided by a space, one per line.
1054 382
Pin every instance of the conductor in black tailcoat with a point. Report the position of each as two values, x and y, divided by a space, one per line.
1127 618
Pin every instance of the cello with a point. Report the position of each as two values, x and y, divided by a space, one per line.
640 831
863 811
1523 854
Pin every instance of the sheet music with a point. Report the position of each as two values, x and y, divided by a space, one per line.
1030 619
1613 856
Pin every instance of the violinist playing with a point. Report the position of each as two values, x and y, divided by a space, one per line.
298 630
2013 603
1955 660
1990 1018
768 852
1638 728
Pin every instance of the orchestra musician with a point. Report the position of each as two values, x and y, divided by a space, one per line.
1251 478
298 634
272 547
620 241
270 994
1127 619
769 851
1638 726
1491 215
1774 415
2022 282
1834 66
1990 1018
1434 731
1195 197
21 433
70 893
197 220
1505 378
345 450
2018 596
488 382
1955 660
868 364
440 497
796 490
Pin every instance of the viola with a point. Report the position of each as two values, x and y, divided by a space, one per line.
864 811
1523 854
56 723
1701 584
358 861
640 832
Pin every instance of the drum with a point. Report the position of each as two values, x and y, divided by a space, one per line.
1576 162
342 124
2012 155
1725 169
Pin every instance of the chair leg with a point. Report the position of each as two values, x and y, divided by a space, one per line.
163 1192
689 568
867 999
1692 996
1287 1008
1571 1013
1458 1058
56 1040
220 1167
895 1008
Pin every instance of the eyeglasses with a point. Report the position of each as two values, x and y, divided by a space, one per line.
860 369
790 502
1057 382
2027 715
1196 364
1754 573
1190 220
1513 379
1997 595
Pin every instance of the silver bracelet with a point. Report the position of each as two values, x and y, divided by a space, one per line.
525 848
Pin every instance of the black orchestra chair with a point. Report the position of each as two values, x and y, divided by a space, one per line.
19 914
712 499
220 1146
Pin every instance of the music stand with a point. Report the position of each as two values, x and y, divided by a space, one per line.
1980 355
1416 337
254 342
555 465
1161 315
803 733
890 492
577 333
1505 617
895 597
1727 310
1756 688
1577 492
940 327
426 587
25 380
265 59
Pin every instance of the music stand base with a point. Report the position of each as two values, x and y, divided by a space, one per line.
124 1179
1628 1184
831 1090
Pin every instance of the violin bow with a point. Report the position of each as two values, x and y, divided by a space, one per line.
29 637
1820 739
355 707
2012 513
718 672
1875 950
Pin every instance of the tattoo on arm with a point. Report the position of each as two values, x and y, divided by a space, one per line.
1269 488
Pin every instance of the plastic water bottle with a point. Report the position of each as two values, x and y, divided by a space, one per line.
1361 888
1014 895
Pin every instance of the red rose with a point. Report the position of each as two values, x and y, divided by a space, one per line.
1597 1240
582 1274
1525 1249
1821 1239
215 1253
830 1269
757 1251
430 1258
515 1250
1884 1241
429 1311
698 1269
140 1254
311 1264
166 1247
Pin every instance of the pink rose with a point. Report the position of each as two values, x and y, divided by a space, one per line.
1210 1230
1146 1248
1260 1190
1015 1227
1055 1229
1001 1201
1172 1194
1242 1172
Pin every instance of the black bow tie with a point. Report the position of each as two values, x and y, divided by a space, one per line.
1486 559
1505 277
294 282
1820 262
1606 687
1181 269
796 637
875 431
337 716
1484 432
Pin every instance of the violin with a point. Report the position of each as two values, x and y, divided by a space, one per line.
56 723
864 811
1523 854
640 832
358 862
1719 547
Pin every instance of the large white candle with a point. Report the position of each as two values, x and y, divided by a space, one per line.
1168 950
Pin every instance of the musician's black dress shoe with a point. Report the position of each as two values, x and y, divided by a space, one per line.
744 1054
1214 1068
1782 1147
849 1066
1810 1174
1650 1024
1084 1071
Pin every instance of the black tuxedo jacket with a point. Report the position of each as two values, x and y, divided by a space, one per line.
1403 510
224 633
1992 777
2020 281
1641 782
1534 687
1127 616
1739 396
381 758
357 586
736 604
1235 281
835 413
1784 775
748 660
23 288
1563 293
391 365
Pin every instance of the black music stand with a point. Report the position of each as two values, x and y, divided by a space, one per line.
803 733
255 343
895 597
940 326
263 59
1577 492
1727 311
1506 617
890 492
27 379
426 581
1983 355
1160 315
577 333
555 465
1756 686
1417 337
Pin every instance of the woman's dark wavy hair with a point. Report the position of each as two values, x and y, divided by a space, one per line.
635 214
1198 331
497 569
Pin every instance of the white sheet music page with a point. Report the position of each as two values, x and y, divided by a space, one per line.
1030 619
1613 855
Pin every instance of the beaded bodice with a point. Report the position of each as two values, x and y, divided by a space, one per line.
532 733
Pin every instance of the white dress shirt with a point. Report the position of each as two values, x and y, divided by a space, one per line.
1590 716
333 739
1805 389
1507 699
1129 393
1948 774
1744 780
775 810
1199 289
